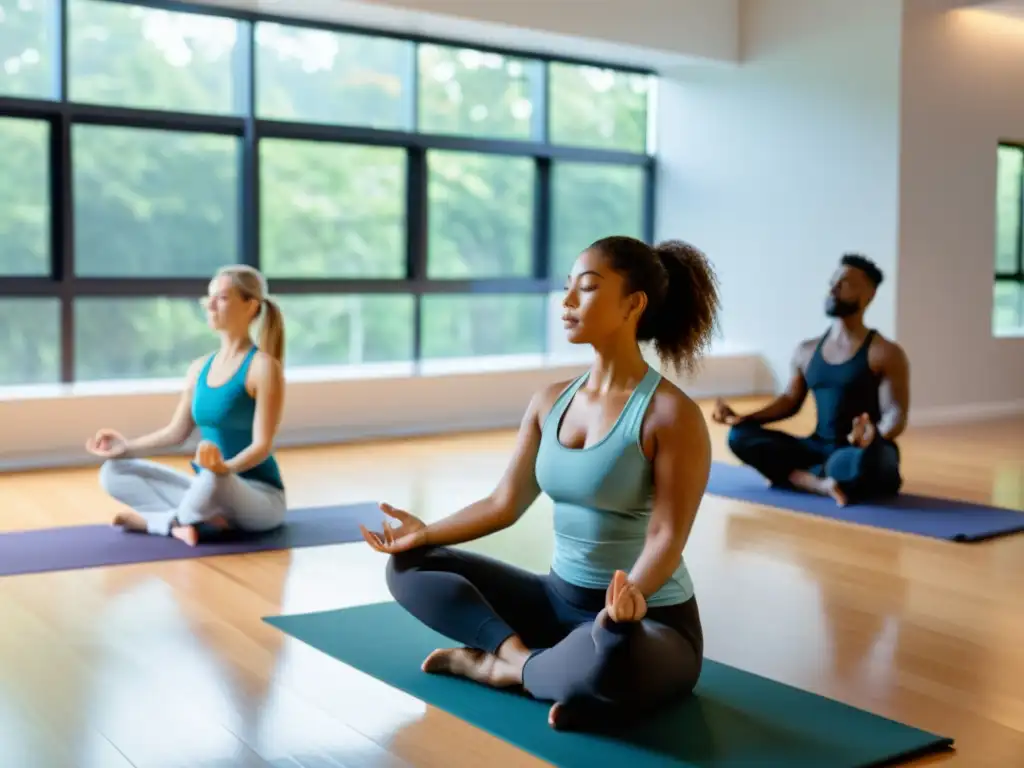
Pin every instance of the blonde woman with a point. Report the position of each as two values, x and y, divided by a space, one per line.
235 397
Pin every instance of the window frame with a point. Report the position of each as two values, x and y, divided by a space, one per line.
1015 277
61 114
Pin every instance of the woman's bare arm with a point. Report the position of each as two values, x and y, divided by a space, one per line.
682 465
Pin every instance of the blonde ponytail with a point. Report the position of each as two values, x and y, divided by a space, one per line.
272 330
252 286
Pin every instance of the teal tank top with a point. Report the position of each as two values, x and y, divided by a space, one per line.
224 416
603 497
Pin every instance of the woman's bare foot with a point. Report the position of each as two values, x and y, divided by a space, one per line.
823 486
501 670
130 520
560 718
583 716
186 533
479 666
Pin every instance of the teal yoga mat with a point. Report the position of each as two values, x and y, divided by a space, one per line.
735 720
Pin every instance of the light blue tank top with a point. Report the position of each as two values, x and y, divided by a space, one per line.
603 497
224 416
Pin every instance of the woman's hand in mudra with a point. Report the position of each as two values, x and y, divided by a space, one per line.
209 457
624 602
409 534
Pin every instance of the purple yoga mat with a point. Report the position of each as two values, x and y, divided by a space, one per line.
937 518
91 546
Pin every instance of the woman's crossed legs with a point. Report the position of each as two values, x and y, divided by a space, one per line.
546 636
164 502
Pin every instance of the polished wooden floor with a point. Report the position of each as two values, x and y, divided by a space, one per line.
169 664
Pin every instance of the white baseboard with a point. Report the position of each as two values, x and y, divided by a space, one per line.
966 413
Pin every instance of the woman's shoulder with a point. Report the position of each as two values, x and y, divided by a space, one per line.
264 371
673 412
266 362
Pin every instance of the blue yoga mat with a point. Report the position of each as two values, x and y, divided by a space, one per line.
91 546
937 518
734 720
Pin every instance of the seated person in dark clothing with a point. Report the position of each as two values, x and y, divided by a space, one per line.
860 382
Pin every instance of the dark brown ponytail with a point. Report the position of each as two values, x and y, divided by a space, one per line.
681 316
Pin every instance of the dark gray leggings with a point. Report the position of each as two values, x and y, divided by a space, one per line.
607 668
862 473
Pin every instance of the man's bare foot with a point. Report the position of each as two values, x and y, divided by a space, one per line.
130 520
479 666
823 486
186 533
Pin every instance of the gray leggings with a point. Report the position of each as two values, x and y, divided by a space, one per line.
166 497
610 670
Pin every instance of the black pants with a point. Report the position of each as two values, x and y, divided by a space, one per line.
862 473
607 668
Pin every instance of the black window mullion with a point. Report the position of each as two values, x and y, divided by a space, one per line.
416 235
249 178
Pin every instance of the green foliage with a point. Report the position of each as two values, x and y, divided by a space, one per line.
601 108
164 203
480 215
24 197
331 210
471 93
312 76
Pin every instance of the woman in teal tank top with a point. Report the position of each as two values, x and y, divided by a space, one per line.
235 398
613 630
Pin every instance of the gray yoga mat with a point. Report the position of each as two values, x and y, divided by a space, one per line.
91 546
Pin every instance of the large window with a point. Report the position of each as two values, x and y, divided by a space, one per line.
412 202
1008 305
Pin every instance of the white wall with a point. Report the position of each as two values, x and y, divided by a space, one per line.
777 167
962 91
